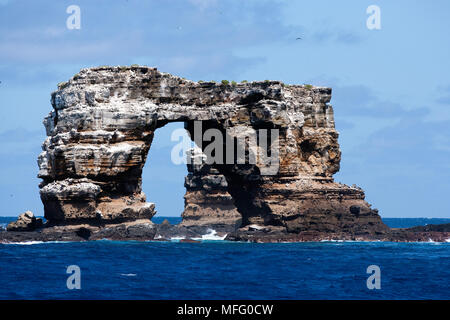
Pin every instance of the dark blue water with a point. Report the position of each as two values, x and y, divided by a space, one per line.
224 270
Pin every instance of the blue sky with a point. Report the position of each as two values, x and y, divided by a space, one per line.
391 87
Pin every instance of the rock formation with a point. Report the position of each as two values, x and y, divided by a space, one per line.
207 200
25 222
102 127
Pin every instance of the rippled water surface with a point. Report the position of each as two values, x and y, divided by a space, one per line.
225 270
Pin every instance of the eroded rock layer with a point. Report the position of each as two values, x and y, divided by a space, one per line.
207 200
103 123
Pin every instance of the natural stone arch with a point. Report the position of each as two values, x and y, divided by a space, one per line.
104 120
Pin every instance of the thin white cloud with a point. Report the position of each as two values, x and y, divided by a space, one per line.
63 52
33 33
203 4
5 2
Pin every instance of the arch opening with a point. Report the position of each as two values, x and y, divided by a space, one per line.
162 179
174 157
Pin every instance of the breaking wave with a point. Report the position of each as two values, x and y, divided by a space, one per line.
29 243
211 235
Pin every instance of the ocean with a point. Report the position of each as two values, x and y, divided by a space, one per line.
216 269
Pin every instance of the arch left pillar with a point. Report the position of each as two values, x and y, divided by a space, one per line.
92 170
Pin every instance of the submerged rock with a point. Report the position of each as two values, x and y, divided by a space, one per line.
144 230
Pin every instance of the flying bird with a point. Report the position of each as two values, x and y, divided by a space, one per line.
299 38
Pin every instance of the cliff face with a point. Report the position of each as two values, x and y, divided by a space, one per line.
101 130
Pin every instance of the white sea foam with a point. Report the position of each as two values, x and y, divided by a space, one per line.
211 235
128 274
177 238
28 243
157 237
256 227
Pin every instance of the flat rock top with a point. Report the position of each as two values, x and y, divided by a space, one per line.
141 82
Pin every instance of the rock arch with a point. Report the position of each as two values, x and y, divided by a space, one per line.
102 126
